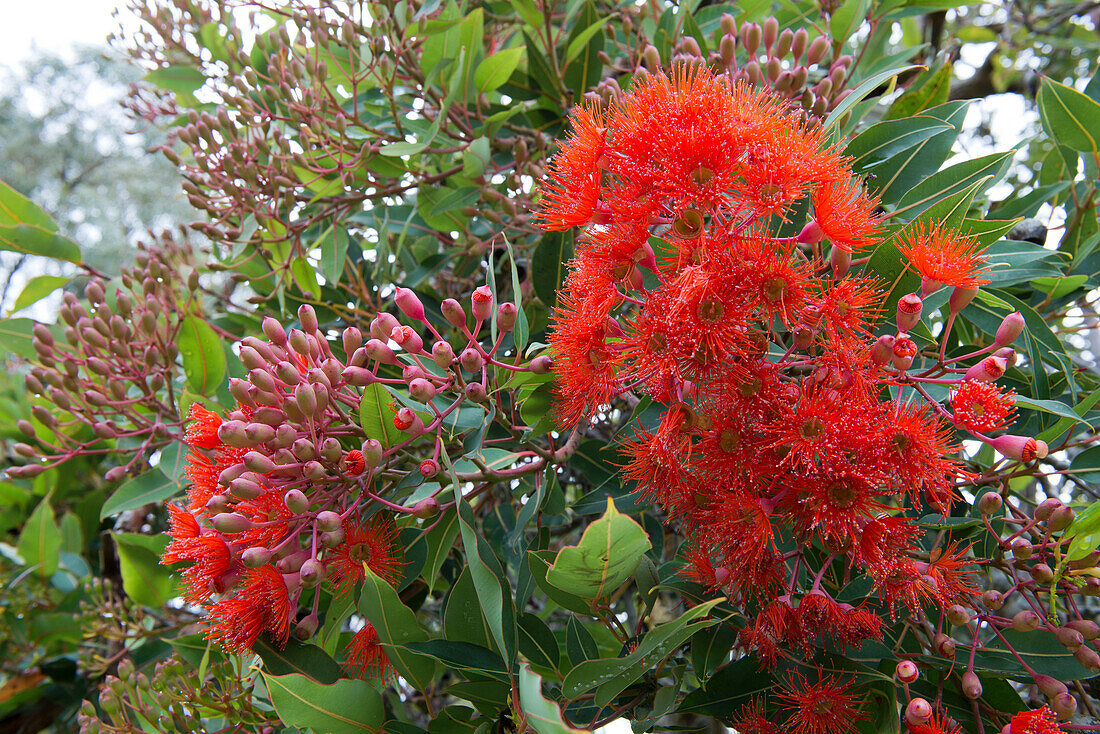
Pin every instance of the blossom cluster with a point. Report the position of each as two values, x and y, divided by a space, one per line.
793 439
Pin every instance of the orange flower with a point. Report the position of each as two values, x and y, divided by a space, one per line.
944 257
571 194
261 606
983 406
365 656
846 214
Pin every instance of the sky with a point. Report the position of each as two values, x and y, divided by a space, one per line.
53 25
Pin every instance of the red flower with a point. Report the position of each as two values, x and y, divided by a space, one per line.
365 656
261 606
938 724
827 707
944 257
371 542
846 214
203 432
751 719
983 406
1037 721
571 194
354 464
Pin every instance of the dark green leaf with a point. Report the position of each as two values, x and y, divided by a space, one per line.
40 541
150 487
542 715
1069 117
347 706
537 643
376 414
462 656
578 642
308 661
396 626
203 358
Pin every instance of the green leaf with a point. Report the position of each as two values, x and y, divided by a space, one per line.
38 288
542 715
847 18
18 209
1086 466
40 540
396 625
1053 407
1085 529
295 658
152 486
959 177
460 655
539 563
1065 424
463 620
334 251
865 87
930 88
710 649
178 79
537 643
31 240
439 540
376 415
609 551
581 39
143 578
894 177
548 265
729 689
17 337
494 71
476 157
611 676
204 361
347 706
579 643
1069 117
884 140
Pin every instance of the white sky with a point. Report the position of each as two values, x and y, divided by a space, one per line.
53 25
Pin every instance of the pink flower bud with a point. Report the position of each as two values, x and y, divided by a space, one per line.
314 471
307 627
382 326
989 503
296 501
1010 329
429 468
1008 354
1046 508
408 421
918 712
906 671
909 310
507 314
231 522
306 399
231 433
331 450
307 317
1026 621
422 390
988 370
961 298
358 376
255 557
971 686
1050 687
1069 638
1064 705
245 489
258 432
426 508
352 339
442 354
1088 629
475 391
274 331
311 573
471 360
882 352
328 521
811 234
407 338
542 364
379 352
409 304
1088 658
292 562
452 311
257 462
481 302
1021 448
114 474
840 260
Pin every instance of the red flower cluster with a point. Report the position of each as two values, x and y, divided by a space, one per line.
694 285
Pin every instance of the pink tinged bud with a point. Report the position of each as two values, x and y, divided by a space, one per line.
918 712
262 379
988 370
379 352
958 615
993 600
231 522
481 302
25 427
307 317
284 436
231 433
1009 330
296 501
274 331
259 432
358 376
383 325
1088 629
1022 548
255 557
971 686
306 628
422 390
1060 519
1008 354
315 471
409 304
299 342
407 338
411 372
304 449
443 355
1064 706
426 508
257 462
882 352
471 360
909 311
311 573
507 314
961 298
1046 508
811 234
408 421
1050 687
245 489
840 260
1021 448
287 373
906 671
115 474
1026 621
331 451
359 358
328 521
352 339
242 390
372 452
476 391
542 364
321 396
251 359
306 399
989 503
944 645
429 468
1088 658
1042 573
293 562
452 311
1069 638
928 286
230 473
333 539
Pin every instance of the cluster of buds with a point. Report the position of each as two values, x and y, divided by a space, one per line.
289 490
113 373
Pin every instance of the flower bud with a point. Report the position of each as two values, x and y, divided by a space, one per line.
1089 630
245 489
944 645
231 522
379 352
372 452
352 339
307 317
1042 573
383 325
909 310
882 352
918 711
296 501
409 304
429 468
274 331
471 360
475 391
1064 705
328 521
1050 687
421 390
542 364
258 433
1060 519
407 338
988 370
1020 448
958 615
993 600
1046 508
1009 330
1026 621
990 503
333 539
315 471
331 451
1088 658
1069 638
481 302
292 562
507 314
905 349
300 343
426 508
232 433
228 474
408 421
971 686
452 311
906 671
312 573
257 462
1022 548
255 557
115 474
352 463
960 298
306 628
